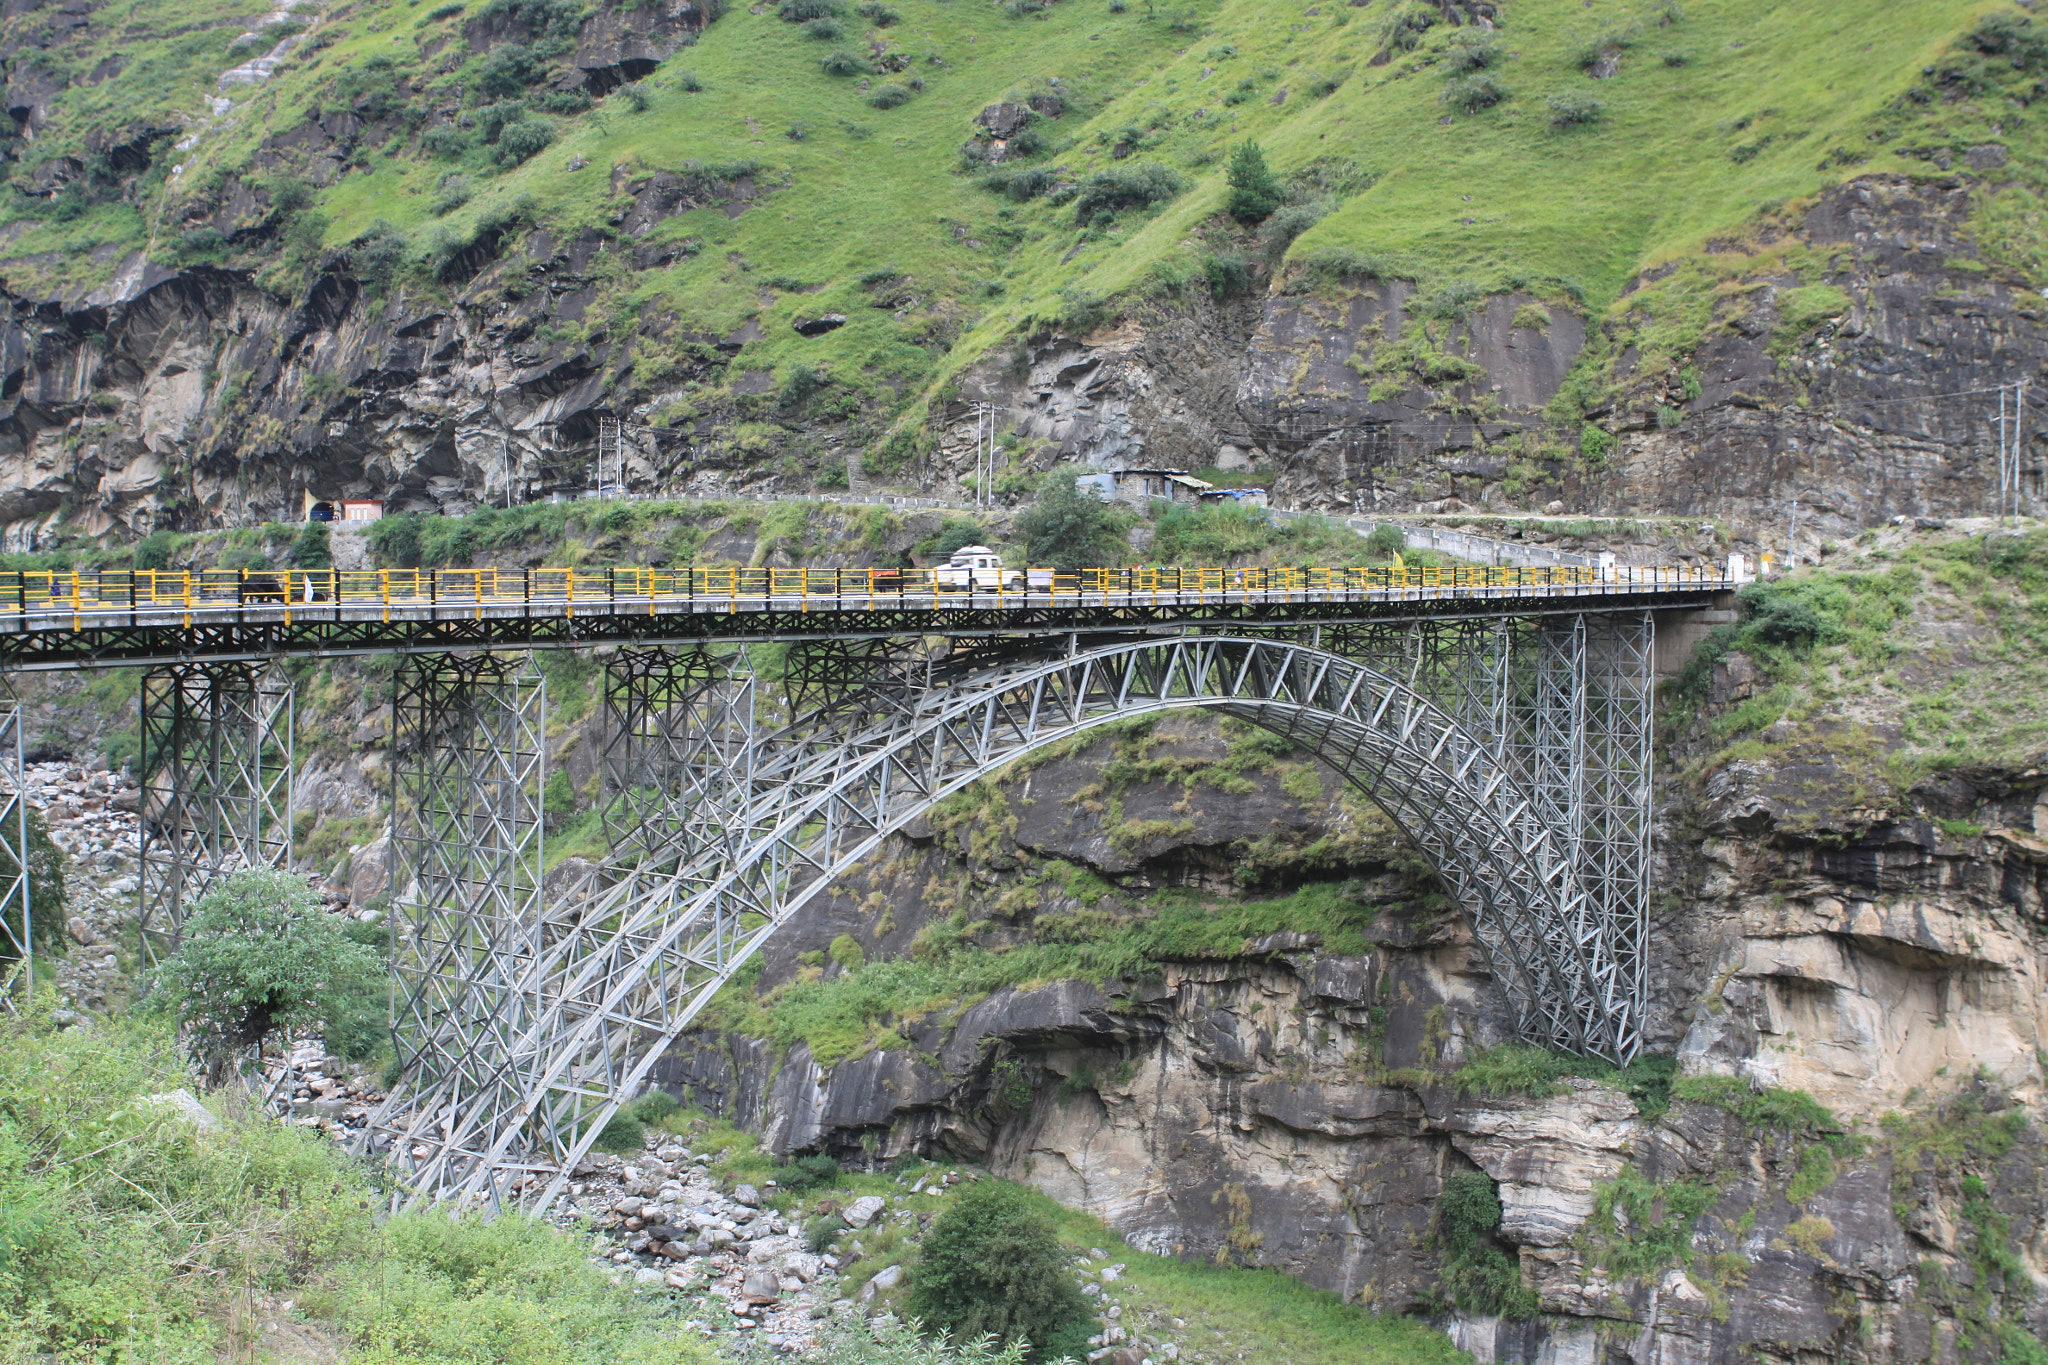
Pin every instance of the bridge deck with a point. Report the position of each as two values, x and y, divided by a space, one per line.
59 620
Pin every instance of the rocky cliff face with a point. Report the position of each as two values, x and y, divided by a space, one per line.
196 398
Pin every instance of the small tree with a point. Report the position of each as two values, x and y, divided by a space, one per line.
992 1266
1254 190
260 953
1067 529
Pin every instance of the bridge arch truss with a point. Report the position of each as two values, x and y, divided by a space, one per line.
1514 752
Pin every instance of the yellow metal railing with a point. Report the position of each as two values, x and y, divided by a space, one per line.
124 591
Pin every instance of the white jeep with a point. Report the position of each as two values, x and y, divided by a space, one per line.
976 568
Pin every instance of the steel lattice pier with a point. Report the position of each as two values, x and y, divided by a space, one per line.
217 767
1514 751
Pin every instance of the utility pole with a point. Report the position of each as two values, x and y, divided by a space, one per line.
1792 539
2019 417
985 454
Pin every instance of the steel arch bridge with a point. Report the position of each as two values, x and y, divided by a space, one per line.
534 1027
1502 718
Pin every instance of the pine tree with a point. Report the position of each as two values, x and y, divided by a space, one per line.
992 1265
1254 190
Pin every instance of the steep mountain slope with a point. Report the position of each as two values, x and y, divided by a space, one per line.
1528 252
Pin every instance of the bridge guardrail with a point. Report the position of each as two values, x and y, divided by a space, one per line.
124 592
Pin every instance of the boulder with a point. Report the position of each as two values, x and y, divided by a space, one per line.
185 1105
864 1210
762 1287
746 1196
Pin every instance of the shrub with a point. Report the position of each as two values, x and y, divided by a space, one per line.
1781 614
440 12
1288 222
1572 111
802 382
154 550
1593 51
881 16
378 254
819 1232
507 71
1067 529
1479 1276
446 141
798 11
452 194
312 548
1254 190
1387 541
688 82
635 97
1229 274
807 1173
889 96
1107 193
992 1265
654 1106
522 139
1471 54
844 63
1021 183
621 1133
825 30
955 532
259 953
199 246
1470 94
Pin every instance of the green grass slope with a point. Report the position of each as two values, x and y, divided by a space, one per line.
1413 147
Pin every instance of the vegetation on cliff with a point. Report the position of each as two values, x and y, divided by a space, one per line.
829 217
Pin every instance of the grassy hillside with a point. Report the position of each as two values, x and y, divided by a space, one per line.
1410 146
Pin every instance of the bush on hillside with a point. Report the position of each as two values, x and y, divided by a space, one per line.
1470 94
507 71
259 953
889 95
1021 183
806 1173
1574 111
1067 529
378 255
799 11
1474 53
522 139
844 63
992 1266
1107 193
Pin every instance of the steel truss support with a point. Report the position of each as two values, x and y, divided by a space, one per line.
217 783
680 747
469 773
599 1006
17 917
